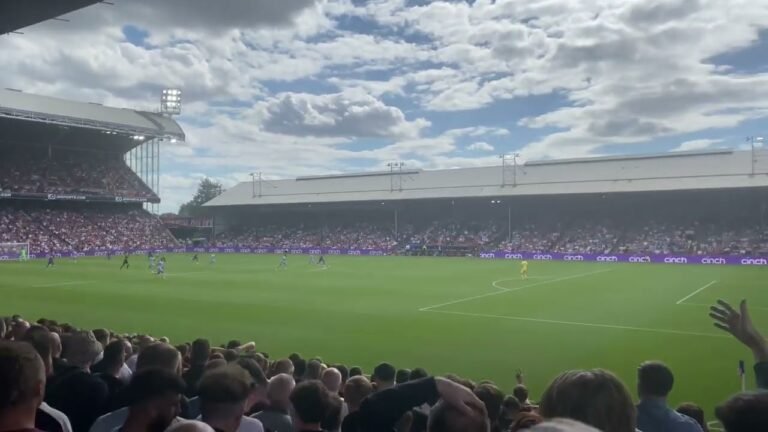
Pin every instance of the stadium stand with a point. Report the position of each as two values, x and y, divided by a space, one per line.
226 393
65 185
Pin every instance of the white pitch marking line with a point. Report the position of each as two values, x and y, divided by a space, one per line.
573 323
696 292
63 284
709 305
505 290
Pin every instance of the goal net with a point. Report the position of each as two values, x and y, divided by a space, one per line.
14 251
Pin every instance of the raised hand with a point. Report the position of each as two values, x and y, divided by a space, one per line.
739 324
519 376
459 397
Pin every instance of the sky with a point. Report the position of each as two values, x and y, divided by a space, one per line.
304 87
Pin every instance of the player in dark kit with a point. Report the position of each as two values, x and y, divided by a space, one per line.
321 260
50 261
125 263
195 259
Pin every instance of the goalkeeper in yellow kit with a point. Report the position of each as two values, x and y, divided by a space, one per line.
524 270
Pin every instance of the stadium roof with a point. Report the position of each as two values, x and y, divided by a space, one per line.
123 123
721 169
17 14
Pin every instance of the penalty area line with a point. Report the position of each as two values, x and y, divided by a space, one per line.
581 324
696 292
506 290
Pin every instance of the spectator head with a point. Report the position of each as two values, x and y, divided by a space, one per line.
217 356
314 370
22 385
654 380
283 366
384 376
215 364
39 338
562 425
81 349
258 379
344 371
201 350
224 393
114 357
447 418
510 409
19 328
331 379
233 344
183 349
492 398
127 348
294 357
521 393
695 412
3 328
311 405
299 368
744 412
462 381
231 355
525 421
355 371
279 391
189 426
260 360
356 390
55 345
154 398
402 376
595 397
418 373
159 355
101 335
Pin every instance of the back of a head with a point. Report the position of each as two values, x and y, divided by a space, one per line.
223 392
344 371
744 412
331 379
254 370
101 335
402 376
356 389
525 421
355 371
521 393
39 338
114 354
279 389
418 373
283 366
595 397
22 375
311 402
384 373
201 350
562 425
314 370
189 426
693 411
654 379
81 348
159 355
492 398
151 384
446 418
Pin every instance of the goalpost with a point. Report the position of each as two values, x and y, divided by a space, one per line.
14 251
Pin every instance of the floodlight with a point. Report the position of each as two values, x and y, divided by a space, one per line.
170 101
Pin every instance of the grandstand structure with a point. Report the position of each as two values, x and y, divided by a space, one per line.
703 201
74 176
17 14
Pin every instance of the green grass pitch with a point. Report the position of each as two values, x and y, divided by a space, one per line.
469 316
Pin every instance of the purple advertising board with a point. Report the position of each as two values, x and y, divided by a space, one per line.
532 256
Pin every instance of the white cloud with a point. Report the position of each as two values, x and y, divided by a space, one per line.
480 146
699 144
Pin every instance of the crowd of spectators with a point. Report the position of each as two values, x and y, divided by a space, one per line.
57 378
69 172
60 230
582 237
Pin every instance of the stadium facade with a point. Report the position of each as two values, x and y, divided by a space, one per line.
718 186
